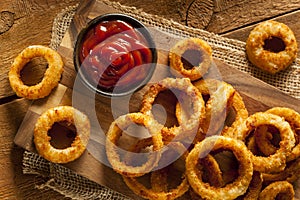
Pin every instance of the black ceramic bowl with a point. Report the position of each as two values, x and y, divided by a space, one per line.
91 70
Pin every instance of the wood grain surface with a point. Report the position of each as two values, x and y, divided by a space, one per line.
23 23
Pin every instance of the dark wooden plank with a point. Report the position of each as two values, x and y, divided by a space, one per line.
289 19
170 9
227 15
232 15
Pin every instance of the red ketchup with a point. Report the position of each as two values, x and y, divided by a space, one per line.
115 55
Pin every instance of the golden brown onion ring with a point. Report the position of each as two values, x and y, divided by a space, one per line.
220 92
115 132
268 60
252 193
183 112
276 190
241 113
222 97
275 162
59 114
216 107
159 186
51 77
183 85
293 118
202 51
231 190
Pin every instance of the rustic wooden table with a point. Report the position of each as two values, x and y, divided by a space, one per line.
27 22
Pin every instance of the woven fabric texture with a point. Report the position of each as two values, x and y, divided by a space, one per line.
229 51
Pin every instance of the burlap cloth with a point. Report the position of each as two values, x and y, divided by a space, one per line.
229 51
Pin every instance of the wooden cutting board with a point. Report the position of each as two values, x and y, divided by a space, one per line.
257 95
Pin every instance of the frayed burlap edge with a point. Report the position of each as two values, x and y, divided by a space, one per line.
60 25
65 181
230 51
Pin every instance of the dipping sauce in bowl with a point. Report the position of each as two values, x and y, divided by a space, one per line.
115 55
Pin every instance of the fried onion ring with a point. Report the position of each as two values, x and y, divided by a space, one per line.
253 190
231 190
293 118
270 59
199 49
115 132
222 98
241 113
216 107
159 186
51 77
277 161
44 124
183 85
276 190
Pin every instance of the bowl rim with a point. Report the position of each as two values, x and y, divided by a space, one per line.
136 24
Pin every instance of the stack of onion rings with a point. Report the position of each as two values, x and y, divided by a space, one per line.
262 163
265 145
203 171
183 85
277 161
51 76
45 123
293 118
